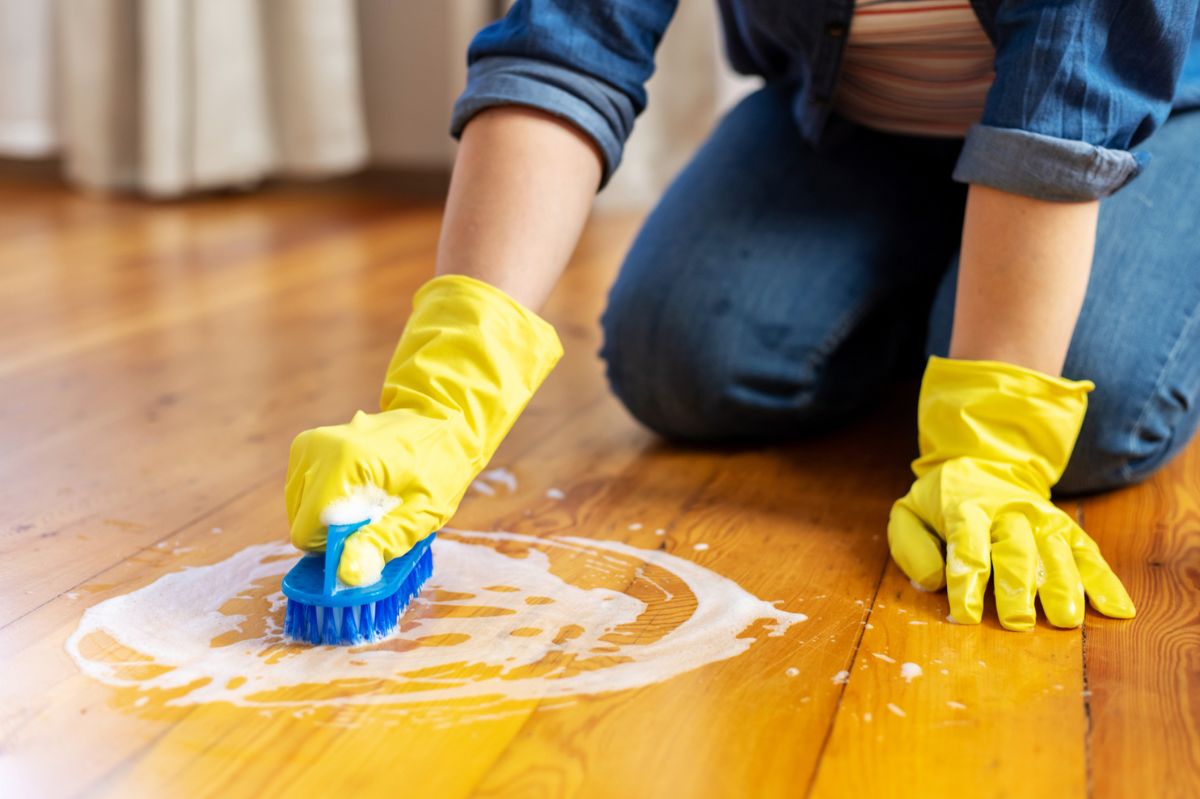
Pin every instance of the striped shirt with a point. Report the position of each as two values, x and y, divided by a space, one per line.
920 67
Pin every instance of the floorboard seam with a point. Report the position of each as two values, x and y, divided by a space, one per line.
153 544
1087 691
687 505
837 708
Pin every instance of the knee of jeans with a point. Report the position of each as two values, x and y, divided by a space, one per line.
688 370
1117 449
663 368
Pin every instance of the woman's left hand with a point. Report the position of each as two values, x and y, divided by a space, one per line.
994 438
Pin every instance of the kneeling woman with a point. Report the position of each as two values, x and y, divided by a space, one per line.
916 186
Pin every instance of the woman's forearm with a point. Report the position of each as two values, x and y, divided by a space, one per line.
1023 273
522 187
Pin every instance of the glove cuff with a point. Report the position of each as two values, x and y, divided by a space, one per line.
470 349
1019 419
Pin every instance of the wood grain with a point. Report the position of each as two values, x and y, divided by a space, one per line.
1143 679
156 362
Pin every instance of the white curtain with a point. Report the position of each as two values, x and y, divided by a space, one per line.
167 97
28 123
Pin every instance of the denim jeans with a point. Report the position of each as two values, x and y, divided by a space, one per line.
1077 85
779 289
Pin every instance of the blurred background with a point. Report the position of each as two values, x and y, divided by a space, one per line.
168 98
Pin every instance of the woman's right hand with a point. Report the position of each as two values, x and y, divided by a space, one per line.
467 364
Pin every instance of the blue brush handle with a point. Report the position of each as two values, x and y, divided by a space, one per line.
335 540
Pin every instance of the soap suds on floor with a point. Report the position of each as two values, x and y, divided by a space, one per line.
635 526
895 710
700 547
500 476
792 672
956 705
555 493
660 531
841 678
213 632
488 480
910 671
884 657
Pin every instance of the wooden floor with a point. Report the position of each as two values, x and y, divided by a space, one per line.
155 363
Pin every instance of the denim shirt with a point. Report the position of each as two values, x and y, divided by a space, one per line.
1078 83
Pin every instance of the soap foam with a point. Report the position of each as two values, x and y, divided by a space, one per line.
361 502
505 617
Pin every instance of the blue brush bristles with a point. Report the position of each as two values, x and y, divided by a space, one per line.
321 613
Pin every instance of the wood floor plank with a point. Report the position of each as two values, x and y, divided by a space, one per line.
51 697
1143 676
793 524
156 363
933 708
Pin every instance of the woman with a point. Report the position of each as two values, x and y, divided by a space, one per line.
885 201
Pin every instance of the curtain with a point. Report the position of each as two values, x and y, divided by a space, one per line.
28 123
167 97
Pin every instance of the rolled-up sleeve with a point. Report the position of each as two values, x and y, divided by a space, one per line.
1078 85
585 62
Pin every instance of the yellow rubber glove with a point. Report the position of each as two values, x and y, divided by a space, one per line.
993 439
468 362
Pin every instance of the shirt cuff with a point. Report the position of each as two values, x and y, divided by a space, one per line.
1044 167
602 112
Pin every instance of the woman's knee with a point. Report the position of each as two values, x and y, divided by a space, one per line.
667 362
1124 442
686 359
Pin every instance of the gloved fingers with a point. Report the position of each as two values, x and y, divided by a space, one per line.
1061 590
968 564
368 549
293 487
1103 587
916 549
1015 565
305 504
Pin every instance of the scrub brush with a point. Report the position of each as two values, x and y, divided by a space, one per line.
319 611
